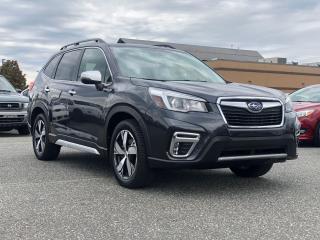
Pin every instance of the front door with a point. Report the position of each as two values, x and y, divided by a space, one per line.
87 103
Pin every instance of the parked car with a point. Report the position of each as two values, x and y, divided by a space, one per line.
306 103
13 108
149 107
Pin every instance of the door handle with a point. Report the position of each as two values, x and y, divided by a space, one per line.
47 89
72 92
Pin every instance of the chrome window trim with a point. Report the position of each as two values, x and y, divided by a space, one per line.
81 48
220 99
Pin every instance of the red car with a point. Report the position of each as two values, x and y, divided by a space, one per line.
306 102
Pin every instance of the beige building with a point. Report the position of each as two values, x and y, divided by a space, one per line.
284 77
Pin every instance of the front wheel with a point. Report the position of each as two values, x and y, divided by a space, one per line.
43 149
252 171
128 155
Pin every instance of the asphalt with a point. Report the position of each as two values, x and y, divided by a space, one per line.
76 197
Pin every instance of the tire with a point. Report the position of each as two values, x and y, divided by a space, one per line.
43 149
128 156
252 171
24 130
317 136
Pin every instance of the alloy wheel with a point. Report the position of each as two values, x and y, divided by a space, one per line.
40 136
125 154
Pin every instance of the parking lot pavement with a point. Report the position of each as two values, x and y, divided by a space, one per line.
76 197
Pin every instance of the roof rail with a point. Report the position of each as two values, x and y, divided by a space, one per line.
164 45
97 40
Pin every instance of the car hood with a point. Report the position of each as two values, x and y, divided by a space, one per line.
212 91
13 97
298 106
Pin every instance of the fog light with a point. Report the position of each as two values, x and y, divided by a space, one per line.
183 143
176 148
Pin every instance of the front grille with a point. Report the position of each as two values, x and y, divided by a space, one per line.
237 114
10 106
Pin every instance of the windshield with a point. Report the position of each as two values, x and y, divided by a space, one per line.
5 86
310 94
162 65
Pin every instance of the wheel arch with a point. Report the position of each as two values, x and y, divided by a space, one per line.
39 108
122 112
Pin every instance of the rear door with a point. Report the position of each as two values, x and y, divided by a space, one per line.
60 87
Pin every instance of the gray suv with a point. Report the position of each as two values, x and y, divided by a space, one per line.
146 107
13 108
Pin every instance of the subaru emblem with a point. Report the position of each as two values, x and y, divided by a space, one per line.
255 107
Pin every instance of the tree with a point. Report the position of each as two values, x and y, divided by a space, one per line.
10 70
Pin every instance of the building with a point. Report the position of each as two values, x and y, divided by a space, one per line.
285 77
248 66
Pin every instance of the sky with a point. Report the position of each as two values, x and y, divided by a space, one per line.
31 31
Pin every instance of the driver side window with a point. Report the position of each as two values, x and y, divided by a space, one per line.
94 60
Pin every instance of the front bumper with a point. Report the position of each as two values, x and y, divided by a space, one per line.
12 119
219 146
223 151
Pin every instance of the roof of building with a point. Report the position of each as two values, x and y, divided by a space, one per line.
204 52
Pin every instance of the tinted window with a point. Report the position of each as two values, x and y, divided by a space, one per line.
68 66
162 64
94 60
49 70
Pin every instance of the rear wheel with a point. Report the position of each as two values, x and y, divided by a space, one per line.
252 171
43 149
24 130
128 155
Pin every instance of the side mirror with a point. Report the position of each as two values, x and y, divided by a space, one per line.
18 90
91 77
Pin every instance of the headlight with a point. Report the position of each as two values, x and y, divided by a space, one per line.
288 105
25 105
305 113
176 101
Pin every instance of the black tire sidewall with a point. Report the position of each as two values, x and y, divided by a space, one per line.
252 171
317 136
43 118
141 165
24 130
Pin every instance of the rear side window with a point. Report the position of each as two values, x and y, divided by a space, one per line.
49 70
94 60
68 66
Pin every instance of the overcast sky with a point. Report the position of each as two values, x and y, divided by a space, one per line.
31 31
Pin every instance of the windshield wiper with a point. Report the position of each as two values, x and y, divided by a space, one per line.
150 79
188 81
2 90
